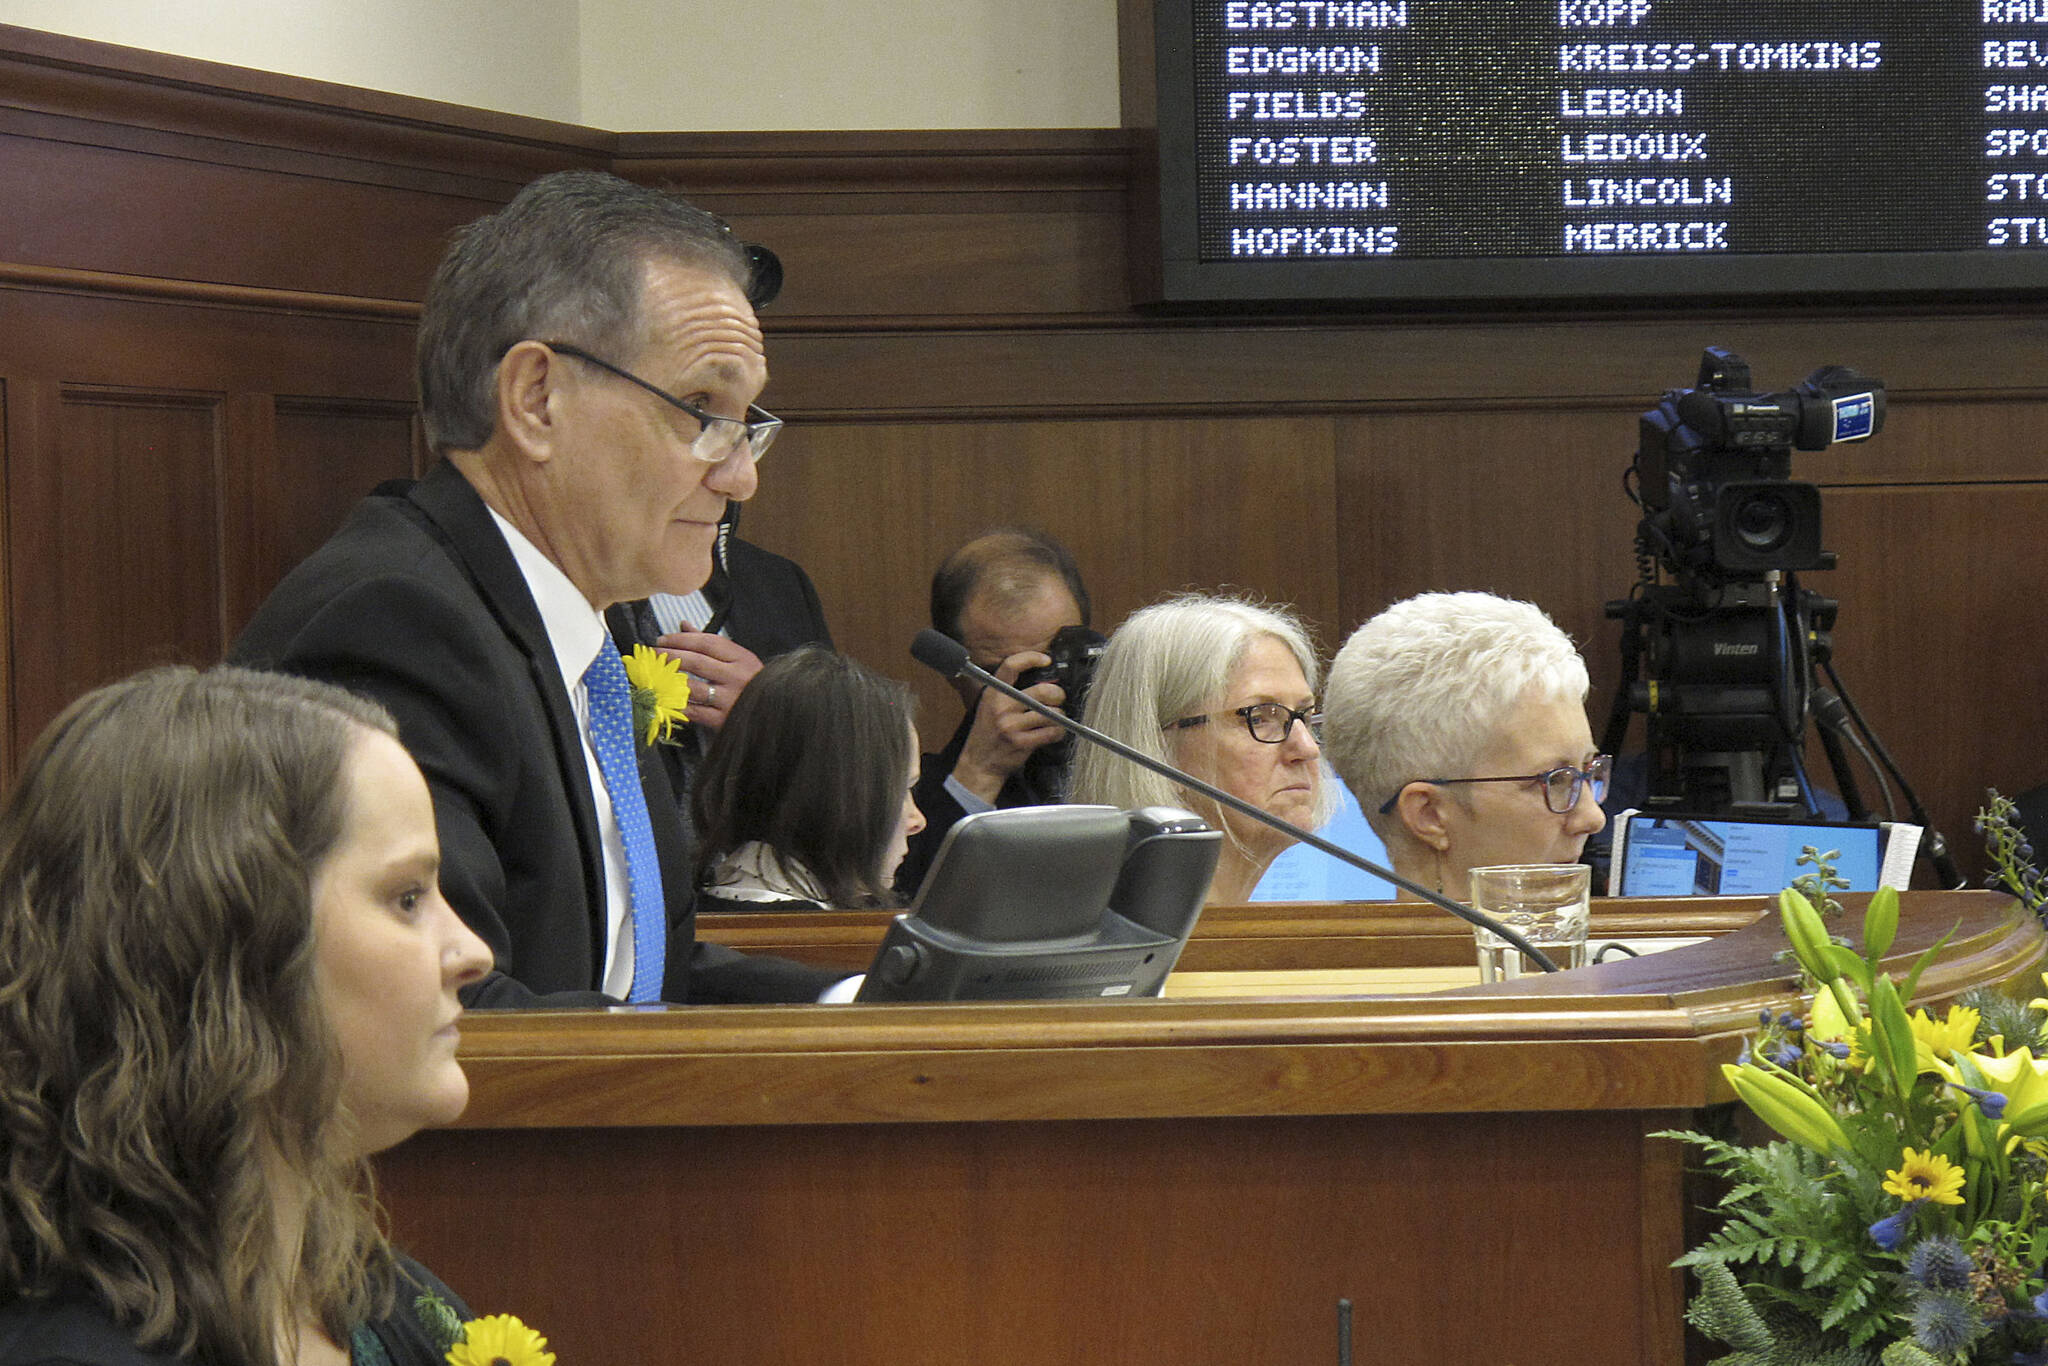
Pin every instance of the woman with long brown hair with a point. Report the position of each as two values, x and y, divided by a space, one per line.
805 798
226 977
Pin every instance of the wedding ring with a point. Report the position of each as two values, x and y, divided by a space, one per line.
710 693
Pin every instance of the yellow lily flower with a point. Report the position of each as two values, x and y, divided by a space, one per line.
1936 1040
2018 1077
1786 1106
1825 1023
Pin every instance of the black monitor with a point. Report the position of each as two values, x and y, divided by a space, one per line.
1050 902
1640 151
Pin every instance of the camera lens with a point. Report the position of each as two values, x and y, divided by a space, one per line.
1763 522
1762 525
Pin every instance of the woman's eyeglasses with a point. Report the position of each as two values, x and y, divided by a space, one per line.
1561 785
1268 722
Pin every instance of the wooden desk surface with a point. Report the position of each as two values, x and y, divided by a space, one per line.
1319 983
1642 1033
1265 935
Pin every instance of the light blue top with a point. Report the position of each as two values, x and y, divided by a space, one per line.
1305 874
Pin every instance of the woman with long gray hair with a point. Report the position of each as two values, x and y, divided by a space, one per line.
1225 689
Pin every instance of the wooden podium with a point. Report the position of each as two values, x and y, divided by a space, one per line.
1141 1182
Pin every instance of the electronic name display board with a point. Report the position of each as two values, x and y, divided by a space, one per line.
1600 149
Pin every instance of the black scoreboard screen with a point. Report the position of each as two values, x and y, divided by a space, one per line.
1600 149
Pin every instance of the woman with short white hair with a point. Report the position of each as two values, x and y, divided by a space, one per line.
1225 689
1458 720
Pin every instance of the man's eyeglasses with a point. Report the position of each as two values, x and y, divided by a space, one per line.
1268 722
718 438
1561 785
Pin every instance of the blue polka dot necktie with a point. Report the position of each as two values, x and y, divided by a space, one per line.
611 735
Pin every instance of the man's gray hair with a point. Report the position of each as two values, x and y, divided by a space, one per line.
1170 660
562 262
1423 689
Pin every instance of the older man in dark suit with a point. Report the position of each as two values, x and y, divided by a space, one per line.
588 364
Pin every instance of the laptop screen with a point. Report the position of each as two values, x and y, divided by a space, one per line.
1672 855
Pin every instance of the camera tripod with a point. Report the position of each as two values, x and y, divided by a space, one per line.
1724 676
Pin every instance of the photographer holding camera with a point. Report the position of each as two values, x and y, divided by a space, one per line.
1014 597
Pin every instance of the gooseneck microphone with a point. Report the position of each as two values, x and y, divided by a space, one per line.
948 657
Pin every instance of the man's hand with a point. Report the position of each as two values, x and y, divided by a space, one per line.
1006 733
719 670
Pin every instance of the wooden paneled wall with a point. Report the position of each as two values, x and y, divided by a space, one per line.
208 279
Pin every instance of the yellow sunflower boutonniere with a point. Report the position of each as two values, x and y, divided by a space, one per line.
494 1340
661 693
500 1340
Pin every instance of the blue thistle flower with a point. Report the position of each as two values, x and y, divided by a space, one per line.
1788 1020
1945 1324
1763 1017
1940 1264
1890 1231
1835 1048
1992 1103
1785 1054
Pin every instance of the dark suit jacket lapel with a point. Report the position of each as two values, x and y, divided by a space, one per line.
465 524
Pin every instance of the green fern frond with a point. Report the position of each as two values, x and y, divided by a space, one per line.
1906 1352
1850 1300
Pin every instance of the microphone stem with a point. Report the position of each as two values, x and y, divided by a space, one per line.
1477 919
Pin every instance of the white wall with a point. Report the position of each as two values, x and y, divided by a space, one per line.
666 65
772 64
519 56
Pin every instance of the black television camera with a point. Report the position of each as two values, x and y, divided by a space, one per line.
1713 468
1720 659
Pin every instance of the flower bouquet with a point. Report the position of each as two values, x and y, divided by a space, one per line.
1903 1219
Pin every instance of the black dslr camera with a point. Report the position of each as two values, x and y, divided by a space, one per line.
1713 468
1074 650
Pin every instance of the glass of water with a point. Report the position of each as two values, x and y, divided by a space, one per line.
1548 904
